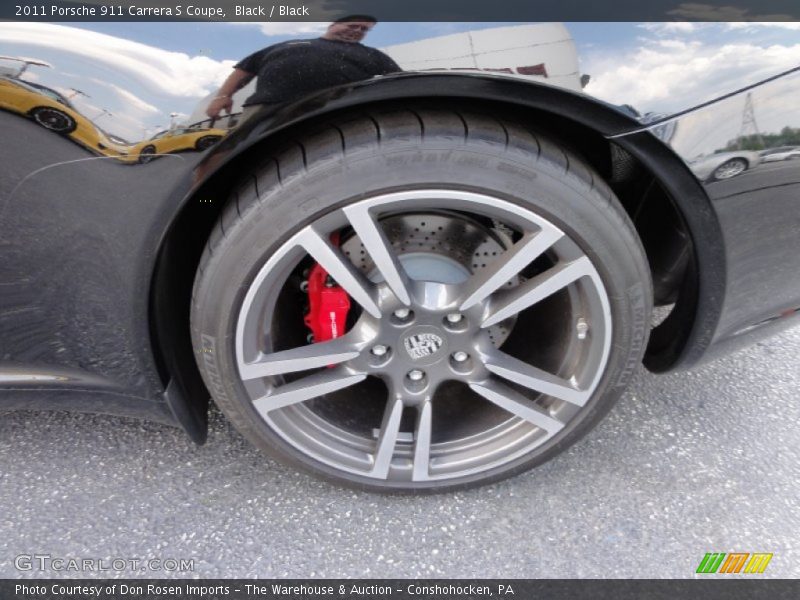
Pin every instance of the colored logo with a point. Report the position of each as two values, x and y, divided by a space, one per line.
734 562
422 345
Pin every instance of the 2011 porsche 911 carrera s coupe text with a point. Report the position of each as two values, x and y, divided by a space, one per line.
400 260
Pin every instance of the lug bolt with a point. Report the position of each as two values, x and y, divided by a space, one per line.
460 356
304 286
454 318
416 375
582 328
379 350
402 313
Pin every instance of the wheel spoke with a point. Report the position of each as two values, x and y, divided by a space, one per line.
379 249
306 388
341 269
517 404
535 379
519 256
387 439
422 443
507 303
311 356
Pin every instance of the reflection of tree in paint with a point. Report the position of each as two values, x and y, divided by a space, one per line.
788 136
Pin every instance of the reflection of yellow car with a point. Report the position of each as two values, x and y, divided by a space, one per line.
176 140
53 111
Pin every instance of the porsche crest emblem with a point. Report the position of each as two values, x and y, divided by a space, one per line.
422 345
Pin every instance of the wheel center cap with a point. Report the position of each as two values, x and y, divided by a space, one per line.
425 345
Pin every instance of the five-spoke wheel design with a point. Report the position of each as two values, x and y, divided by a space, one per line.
443 280
420 300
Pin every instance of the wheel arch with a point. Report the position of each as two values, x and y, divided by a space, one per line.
745 159
33 109
582 123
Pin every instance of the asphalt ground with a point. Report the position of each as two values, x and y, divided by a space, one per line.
694 462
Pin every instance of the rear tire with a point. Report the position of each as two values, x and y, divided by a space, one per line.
205 142
54 120
147 154
489 181
729 169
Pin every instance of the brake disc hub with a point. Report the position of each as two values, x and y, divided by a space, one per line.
426 347
442 247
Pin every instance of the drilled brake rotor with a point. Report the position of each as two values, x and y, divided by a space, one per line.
445 247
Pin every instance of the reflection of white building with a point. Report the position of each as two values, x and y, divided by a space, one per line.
543 52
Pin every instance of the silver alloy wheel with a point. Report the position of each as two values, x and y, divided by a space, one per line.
418 335
730 168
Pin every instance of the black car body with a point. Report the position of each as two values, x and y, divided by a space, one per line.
98 257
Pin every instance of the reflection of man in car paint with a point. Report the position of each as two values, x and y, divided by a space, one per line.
290 70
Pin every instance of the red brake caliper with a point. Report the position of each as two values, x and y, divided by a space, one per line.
328 303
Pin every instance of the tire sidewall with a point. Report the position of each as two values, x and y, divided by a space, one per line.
590 217
70 122
147 154
740 161
205 142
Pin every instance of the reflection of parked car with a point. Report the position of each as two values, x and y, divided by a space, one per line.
176 140
781 153
53 111
724 165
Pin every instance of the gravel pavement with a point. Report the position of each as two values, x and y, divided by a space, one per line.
701 461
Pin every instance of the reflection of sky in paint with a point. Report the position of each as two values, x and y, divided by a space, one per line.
710 129
665 67
142 72
696 61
